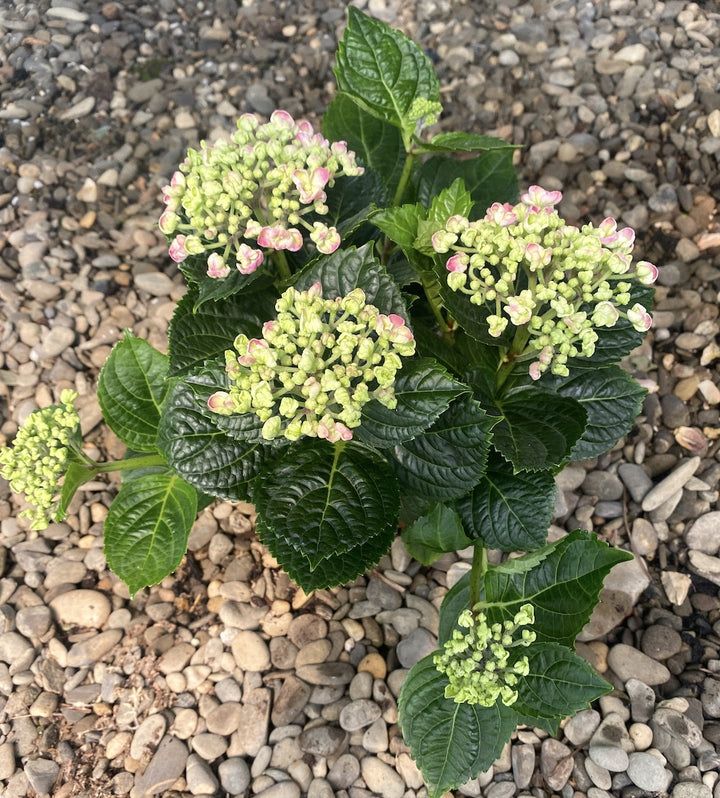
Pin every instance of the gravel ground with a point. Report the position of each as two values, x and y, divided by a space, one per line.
225 679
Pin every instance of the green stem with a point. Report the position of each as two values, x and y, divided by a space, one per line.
404 177
477 573
282 264
522 335
432 292
132 462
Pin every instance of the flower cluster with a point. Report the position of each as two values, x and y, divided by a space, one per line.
315 366
557 281
478 662
38 458
234 199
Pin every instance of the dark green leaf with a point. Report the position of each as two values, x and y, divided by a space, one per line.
210 289
466 142
196 336
510 512
538 428
327 498
612 400
447 460
560 683
423 390
383 71
377 144
456 600
451 743
147 528
131 387
352 200
347 269
76 475
434 534
204 455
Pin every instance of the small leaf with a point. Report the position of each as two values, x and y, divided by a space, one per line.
131 387
560 683
451 743
400 224
612 400
423 390
76 475
147 528
210 289
466 142
448 459
538 428
510 512
327 499
383 71
434 534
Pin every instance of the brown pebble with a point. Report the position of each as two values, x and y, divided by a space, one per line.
373 664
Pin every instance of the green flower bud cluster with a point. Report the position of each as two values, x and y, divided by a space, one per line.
234 199
480 663
535 271
39 456
315 366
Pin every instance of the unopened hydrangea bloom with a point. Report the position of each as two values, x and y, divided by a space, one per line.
556 280
38 458
480 664
315 366
235 199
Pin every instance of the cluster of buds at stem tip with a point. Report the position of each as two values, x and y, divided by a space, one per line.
38 458
535 271
237 199
317 363
482 663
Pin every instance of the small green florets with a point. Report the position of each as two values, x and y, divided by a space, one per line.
537 272
315 366
480 664
38 458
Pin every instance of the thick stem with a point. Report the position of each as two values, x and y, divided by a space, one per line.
432 292
477 573
404 177
522 335
132 462
282 264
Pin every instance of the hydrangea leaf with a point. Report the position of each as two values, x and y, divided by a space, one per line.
328 499
458 141
435 533
131 387
351 201
202 453
543 438
449 458
400 223
198 334
510 512
451 743
423 390
210 289
147 528
612 400
76 475
384 72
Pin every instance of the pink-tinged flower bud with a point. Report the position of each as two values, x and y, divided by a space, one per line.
519 308
646 272
216 266
177 180
222 403
458 263
310 184
279 238
315 290
501 213
496 325
248 259
177 249
605 314
545 355
326 239
339 148
252 229
536 195
442 240
607 229
626 237
282 118
343 433
538 257
168 221
534 371
575 321
640 319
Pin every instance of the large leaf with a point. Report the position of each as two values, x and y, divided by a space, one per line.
199 335
327 499
147 528
377 144
489 177
384 72
562 581
431 535
451 743
210 289
612 400
423 390
335 569
131 387
560 683
538 428
510 512
202 453
347 269
352 200
448 459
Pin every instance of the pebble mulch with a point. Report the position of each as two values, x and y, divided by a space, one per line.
225 680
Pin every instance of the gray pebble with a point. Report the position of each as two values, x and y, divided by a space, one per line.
703 534
419 644
691 789
609 757
647 772
523 764
635 479
581 727
629 663
200 779
234 775
7 761
165 767
359 714
42 774
344 772
660 642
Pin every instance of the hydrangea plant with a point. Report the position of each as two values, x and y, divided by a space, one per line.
379 330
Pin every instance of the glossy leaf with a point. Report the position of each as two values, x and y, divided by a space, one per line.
451 743
210 289
434 534
466 142
147 528
131 387
400 224
76 475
